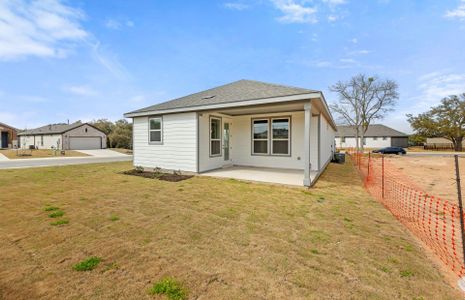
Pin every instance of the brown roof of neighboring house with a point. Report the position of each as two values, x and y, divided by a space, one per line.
8 126
375 130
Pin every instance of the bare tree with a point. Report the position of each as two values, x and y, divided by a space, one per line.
363 100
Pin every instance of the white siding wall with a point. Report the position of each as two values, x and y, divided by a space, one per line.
241 142
327 141
49 141
370 142
81 132
179 148
206 162
313 143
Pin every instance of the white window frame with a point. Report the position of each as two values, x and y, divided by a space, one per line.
153 130
272 139
267 139
220 139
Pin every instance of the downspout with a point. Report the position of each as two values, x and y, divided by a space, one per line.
198 142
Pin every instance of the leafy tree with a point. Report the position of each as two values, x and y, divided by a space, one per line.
445 120
363 100
121 135
416 139
106 126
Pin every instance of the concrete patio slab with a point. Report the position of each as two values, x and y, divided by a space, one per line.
269 175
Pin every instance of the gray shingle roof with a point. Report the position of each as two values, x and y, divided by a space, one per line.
241 90
51 129
373 130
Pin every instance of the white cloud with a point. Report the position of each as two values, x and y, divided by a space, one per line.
359 52
435 86
236 5
332 18
45 28
335 2
116 25
49 28
309 11
81 90
457 13
294 12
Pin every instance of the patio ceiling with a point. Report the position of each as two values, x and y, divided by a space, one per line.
264 109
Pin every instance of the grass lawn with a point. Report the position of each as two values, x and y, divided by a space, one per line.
138 238
40 153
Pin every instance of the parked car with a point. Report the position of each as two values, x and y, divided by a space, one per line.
391 150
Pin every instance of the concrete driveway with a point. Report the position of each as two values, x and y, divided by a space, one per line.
103 153
97 156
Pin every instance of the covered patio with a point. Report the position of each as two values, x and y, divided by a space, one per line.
260 174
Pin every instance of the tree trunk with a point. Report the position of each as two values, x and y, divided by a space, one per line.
362 137
357 141
458 143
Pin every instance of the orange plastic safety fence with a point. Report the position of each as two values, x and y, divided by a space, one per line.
435 221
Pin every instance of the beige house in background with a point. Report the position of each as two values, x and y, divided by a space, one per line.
76 136
441 142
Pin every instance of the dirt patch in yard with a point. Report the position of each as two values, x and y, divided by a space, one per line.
219 238
433 174
157 175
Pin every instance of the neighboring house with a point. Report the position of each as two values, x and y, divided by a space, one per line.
244 123
440 143
376 136
76 136
8 136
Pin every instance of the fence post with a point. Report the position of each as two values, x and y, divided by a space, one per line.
368 168
459 195
382 175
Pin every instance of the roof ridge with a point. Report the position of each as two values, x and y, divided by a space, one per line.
239 90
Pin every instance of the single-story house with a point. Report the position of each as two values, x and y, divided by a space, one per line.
75 136
440 143
8 136
376 136
244 123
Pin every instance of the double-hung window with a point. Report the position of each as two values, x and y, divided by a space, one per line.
280 139
271 136
156 130
215 136
260 136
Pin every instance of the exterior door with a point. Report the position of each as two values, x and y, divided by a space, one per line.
4 143
227 142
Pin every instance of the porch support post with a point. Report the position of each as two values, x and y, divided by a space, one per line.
307 123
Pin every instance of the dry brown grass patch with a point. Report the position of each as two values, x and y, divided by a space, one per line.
223 239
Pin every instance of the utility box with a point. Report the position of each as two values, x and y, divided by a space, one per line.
340 158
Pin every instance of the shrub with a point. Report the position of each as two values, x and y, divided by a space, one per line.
88 264
114 218
139 169
59 222
51 208
170 287
56 214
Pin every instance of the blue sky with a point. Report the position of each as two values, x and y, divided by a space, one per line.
85 60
